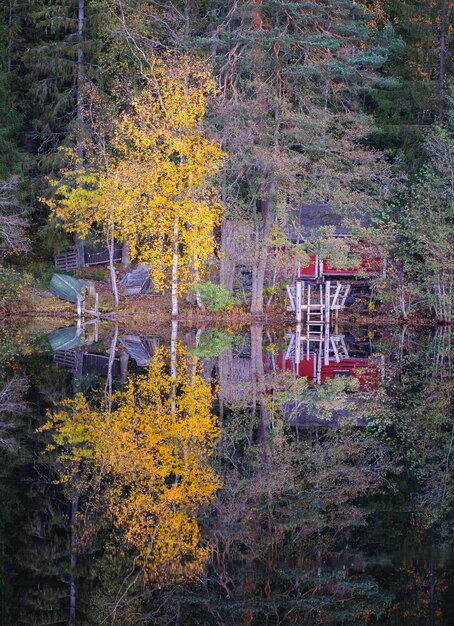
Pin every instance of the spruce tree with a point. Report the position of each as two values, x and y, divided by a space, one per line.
54 56
420 70
10 119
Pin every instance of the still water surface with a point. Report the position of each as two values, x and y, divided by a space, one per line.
211 477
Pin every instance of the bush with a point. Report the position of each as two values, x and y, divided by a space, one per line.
14 288
213 342
213 297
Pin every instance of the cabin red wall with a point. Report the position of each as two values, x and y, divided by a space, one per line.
306 367
311 270
370 265
367 373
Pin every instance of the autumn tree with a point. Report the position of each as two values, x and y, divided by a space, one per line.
151 455
150 186
168 164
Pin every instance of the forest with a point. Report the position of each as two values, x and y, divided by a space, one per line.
226 302
199 134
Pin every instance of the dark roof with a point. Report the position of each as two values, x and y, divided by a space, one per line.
307 218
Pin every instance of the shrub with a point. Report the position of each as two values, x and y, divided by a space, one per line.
14 288
212 343
213 297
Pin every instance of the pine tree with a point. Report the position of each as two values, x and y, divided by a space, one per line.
291 77
420 69
10 119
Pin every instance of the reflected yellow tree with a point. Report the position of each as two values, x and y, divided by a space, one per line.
149 455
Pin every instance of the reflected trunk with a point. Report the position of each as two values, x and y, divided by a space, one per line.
73 562
109 387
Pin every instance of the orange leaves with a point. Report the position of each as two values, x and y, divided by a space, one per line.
154 452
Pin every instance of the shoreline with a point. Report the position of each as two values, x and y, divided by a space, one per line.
148 311
192 317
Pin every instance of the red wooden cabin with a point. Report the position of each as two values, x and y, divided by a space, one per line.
370 265
367 371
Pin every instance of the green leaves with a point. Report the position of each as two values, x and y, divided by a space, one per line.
213 297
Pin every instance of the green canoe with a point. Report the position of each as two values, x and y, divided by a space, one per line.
66 287
65 339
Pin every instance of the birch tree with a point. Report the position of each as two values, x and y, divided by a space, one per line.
150 457
167 164
153 189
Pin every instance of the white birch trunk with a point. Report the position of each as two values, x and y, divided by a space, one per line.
175 270
113 276
173 364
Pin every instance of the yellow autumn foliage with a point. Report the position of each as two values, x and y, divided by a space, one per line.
153 451
154 190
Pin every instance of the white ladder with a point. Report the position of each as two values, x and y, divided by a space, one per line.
338 348
315 313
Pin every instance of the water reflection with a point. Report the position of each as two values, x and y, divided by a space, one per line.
321 494
140 460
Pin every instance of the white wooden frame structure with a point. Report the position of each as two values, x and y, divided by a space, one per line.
325 346
317 302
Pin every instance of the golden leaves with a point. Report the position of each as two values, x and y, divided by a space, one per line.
162 144
154 451
156 178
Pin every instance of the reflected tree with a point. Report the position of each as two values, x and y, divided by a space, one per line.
142 463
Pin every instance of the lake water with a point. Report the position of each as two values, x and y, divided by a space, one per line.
210 477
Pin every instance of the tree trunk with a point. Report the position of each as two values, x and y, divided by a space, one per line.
258 279
259 266
113 276
432 593
264 203
73 563
80 60
109 378
173 364
175 269
9 45
124 360
125 258
227 264
79 106
258 375
198 298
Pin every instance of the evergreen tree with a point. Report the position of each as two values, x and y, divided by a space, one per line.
291 76
10 119
421 69
55 54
